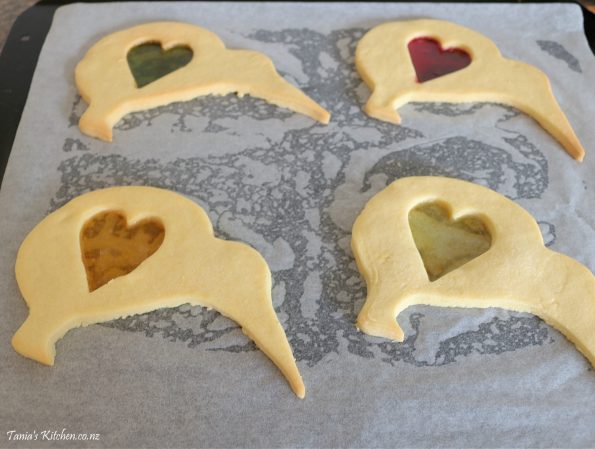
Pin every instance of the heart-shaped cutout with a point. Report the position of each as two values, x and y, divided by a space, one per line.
445 244
431 61
148 62
111 249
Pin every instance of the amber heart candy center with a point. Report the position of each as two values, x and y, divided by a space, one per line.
431 61
148 62
111 249
445 244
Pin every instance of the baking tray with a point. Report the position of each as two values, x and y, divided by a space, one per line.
187 377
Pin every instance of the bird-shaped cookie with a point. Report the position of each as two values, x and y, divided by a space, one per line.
386 59
64 280
517 272
106 82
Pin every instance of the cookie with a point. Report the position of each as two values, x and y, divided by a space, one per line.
426 60
127 250
501 262
107 83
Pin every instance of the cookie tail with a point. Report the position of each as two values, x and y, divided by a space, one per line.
36 339
570 306
384 107
95 123
277 91
270 338
259 78
378 316
539 102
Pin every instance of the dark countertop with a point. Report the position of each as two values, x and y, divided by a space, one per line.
9 11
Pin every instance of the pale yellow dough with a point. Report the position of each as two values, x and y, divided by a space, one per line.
190 266
517 272
106 83
383 61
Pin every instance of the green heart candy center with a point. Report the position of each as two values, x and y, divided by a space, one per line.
148 62
445 244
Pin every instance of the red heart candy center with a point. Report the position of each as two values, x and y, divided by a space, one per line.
431 61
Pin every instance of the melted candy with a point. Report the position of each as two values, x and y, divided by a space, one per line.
111 249
431 61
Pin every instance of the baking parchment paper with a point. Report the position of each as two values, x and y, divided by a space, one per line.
292 188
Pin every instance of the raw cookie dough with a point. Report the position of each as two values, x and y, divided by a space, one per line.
190 266
106 83
383 61
517 272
